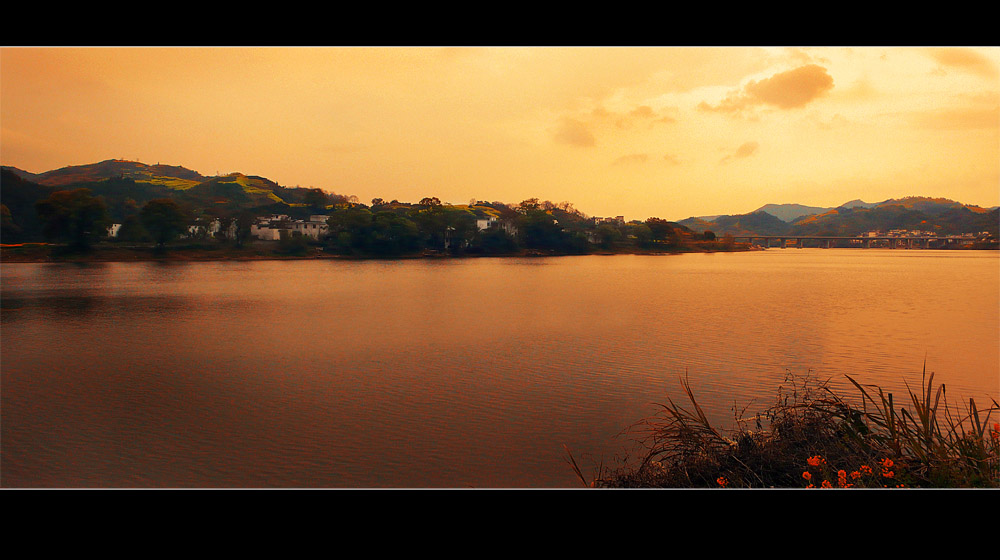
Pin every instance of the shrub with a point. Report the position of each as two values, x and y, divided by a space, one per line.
813 438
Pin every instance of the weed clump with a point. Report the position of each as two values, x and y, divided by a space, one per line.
814 438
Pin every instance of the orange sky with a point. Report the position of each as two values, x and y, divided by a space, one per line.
639 132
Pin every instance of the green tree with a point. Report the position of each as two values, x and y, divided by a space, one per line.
392 234
660 228
8 228
643 234
316 200
293 243
75 217
608 235
243 223
164 219
496 240
132 230
349 230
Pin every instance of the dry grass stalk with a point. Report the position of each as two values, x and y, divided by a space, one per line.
927 443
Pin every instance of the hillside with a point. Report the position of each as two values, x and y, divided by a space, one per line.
128 185
789 212
18 196
758 222
168 175
939 215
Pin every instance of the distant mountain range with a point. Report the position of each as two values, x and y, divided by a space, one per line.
789 212
938 215
127 185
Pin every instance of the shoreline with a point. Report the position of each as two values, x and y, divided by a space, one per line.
47 253
43 253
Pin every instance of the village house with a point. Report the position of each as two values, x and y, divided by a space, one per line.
270 228
493 221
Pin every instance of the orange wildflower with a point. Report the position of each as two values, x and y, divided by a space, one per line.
807 475
814 461
855 475
722 481
826 484
866 469
887 463
888 473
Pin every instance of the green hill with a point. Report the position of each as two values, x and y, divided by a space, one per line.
938 215
758 222
127 185
172 176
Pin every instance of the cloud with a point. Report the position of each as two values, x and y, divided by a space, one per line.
794 88
574 132
671 159
786 90
744 151
966 60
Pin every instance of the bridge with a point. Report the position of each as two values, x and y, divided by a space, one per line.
827 241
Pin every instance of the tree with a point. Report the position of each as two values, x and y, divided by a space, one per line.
709 235
316 199
495 240
132 230
391 234
608 235
661 229
242 224
163 219
8 228
643 234
75 217
294 243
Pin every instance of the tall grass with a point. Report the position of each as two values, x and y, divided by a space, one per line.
812 437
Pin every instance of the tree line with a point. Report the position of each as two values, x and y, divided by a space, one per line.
78 219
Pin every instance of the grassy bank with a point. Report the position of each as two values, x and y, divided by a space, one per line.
814 438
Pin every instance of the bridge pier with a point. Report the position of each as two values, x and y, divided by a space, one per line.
783 245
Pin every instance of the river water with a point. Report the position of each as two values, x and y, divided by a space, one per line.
450 373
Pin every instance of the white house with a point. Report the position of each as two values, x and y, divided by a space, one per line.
269 229
315 227
493 221
265 231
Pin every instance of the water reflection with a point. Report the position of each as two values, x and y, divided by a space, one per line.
446 373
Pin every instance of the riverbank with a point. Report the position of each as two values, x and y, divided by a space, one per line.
109 252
